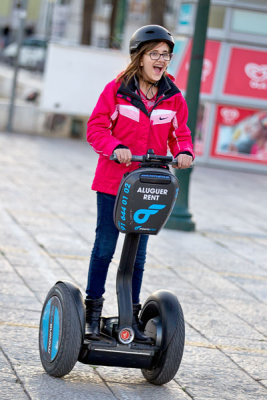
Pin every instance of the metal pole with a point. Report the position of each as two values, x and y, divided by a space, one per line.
121 12
181 218
22 6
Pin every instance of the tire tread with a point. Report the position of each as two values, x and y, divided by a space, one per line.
171 358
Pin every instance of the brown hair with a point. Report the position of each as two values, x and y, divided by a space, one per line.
134 67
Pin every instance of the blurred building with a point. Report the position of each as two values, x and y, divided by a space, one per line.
232 122
232 119
47 18
9 19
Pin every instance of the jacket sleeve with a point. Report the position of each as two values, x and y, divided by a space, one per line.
99 126
180 139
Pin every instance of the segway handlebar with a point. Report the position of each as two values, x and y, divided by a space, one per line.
150 157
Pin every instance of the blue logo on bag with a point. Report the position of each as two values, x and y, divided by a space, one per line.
141 216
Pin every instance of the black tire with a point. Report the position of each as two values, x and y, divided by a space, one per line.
172 342
60 333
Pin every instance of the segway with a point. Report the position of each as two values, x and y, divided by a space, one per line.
143 204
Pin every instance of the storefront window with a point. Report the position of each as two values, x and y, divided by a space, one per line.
201 128
249 22
257 2
211 54
240 134
216 17
247 74
185 15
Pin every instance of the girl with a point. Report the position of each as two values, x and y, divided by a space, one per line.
139 110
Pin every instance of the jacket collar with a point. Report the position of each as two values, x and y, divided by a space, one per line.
166 86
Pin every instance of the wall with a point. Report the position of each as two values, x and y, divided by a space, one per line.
76 75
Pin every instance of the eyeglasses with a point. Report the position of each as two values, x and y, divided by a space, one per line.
155 55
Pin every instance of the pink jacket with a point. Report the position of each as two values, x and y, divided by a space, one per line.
120 118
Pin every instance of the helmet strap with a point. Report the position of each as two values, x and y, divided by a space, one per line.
150 89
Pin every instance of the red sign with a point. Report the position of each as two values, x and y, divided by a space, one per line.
247 73
212 49
240 134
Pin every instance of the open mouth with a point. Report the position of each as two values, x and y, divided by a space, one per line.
158 69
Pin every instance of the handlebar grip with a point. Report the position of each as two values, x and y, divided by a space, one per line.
113 157
138 158
174 162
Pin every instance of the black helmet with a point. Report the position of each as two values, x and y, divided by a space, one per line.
150 33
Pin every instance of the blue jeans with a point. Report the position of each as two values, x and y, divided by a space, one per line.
104 248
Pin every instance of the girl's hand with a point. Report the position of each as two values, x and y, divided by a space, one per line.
124 156
183 161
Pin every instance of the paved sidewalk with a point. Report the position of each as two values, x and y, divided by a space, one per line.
219 273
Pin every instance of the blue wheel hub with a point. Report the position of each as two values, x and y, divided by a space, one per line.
51 329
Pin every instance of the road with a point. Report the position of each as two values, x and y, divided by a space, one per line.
219 273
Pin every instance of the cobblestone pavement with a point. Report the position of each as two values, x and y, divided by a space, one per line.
219 273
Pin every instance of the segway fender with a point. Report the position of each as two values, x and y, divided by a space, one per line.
78 302
166 304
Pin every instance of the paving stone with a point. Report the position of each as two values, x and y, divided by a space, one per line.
13 315
208 374
219 272
5 368
254 364
11 388
145 391
76 385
